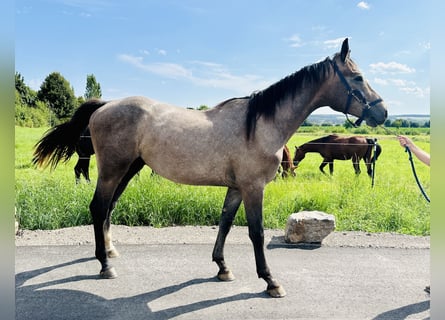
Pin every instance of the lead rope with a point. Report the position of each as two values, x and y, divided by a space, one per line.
373 162
410 157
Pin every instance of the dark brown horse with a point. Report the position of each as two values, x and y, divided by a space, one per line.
286 163
212 147
84 150
335 147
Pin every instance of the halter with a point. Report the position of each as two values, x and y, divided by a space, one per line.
357 95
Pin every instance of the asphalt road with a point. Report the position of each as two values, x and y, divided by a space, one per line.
166 281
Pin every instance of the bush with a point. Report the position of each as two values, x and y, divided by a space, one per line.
32 117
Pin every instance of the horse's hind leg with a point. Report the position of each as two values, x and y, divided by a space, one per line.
368 164
356 164
86 171
110 185
81 168
78 170
230 207
99 208
135 167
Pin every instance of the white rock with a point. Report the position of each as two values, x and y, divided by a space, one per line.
309 227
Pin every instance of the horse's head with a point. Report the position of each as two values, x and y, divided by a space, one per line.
299 155
352 93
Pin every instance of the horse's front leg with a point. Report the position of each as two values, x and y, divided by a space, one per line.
230 207
322 165
253 203
331 167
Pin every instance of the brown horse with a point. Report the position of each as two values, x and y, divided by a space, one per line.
286 163
212 147
335 147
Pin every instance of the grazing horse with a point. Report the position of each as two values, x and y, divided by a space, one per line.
335 147
209 147
287 164
84 149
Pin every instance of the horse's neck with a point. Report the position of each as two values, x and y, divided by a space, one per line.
294 110
310 147
298 105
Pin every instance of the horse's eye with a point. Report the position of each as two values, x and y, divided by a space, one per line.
359 78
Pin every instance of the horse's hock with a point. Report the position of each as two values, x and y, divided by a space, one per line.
308 227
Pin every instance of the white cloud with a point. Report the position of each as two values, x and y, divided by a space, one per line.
169 70
162 52
425 45
395 82
416 91
363 5
295 41
390 67
334 43
408 87
201 73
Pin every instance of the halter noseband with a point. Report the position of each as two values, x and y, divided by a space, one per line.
357 95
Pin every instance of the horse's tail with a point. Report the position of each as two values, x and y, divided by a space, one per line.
378 149
59 142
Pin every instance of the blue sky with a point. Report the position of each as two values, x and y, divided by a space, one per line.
192 53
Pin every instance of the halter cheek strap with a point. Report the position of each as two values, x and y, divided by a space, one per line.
357 95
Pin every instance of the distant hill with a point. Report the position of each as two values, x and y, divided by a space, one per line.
334 119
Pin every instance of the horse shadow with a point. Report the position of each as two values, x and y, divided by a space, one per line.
405 311
36 301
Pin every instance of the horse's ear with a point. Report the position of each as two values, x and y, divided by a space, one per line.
344 54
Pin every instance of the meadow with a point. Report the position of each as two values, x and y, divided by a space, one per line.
48 199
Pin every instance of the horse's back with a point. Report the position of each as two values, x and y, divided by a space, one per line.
180 144
342 147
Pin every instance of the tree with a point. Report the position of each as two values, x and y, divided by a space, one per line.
93 88
25 96
57 93
348 125
202 108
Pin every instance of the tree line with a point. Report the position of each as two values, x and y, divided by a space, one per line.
53 103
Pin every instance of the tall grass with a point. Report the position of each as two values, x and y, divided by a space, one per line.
49 200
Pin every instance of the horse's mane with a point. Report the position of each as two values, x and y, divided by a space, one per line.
264 103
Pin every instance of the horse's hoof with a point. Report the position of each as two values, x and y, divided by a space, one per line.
108 274
112 253
277 292
226 276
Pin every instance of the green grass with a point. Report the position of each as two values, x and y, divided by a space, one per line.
48 199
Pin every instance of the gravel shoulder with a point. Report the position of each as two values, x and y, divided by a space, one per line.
83 235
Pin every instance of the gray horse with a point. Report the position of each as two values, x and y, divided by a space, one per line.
209 147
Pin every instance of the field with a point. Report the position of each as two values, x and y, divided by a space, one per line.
48 199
